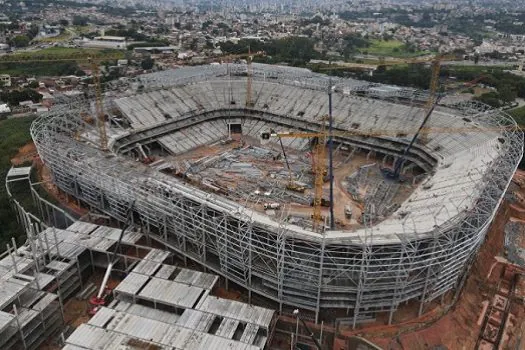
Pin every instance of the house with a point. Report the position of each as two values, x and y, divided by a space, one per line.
5 80
4 48
4 109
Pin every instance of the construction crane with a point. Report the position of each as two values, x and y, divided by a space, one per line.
311 334
318 167
319 152
430 104
93 60
249 73
249 101
292 184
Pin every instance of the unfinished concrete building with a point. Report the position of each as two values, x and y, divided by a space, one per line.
207 176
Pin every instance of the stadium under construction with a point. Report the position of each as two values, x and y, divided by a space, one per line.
185 153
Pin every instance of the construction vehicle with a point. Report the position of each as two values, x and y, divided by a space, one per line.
294 186
274 206
319 140
144 158
348 211
94 61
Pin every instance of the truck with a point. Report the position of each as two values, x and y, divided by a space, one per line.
348 211
271 206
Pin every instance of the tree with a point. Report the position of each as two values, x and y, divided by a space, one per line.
14 97
521 89
194 45
80 21
20 41
476 59
33 84
507 93
147 63
64 22
490 98
33 31
206 24
308 32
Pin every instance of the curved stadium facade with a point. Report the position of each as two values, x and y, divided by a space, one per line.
418 251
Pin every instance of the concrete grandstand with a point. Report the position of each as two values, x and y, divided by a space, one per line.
409 241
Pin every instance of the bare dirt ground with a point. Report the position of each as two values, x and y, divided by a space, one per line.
341 196
457 327
28 154
25 154
446 324
44 176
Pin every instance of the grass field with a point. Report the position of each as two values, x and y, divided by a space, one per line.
519 115
65 52
391 48
14 133
28 67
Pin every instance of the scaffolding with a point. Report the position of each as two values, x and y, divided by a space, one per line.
155 299
418 253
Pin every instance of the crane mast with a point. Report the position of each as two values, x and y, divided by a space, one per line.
319 152
99 107
249 101
320 169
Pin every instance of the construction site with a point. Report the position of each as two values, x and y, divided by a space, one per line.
269 179
50 292
348 201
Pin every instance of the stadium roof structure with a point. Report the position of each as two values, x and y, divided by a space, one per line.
418 251
457 158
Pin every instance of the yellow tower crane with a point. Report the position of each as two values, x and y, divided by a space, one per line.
435 62
319 151
249 101
249 73
94 60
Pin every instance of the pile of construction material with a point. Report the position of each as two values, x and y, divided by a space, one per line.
515 242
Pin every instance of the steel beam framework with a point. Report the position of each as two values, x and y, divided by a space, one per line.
362 276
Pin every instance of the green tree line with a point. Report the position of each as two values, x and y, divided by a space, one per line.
14 97
14 133
294 50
